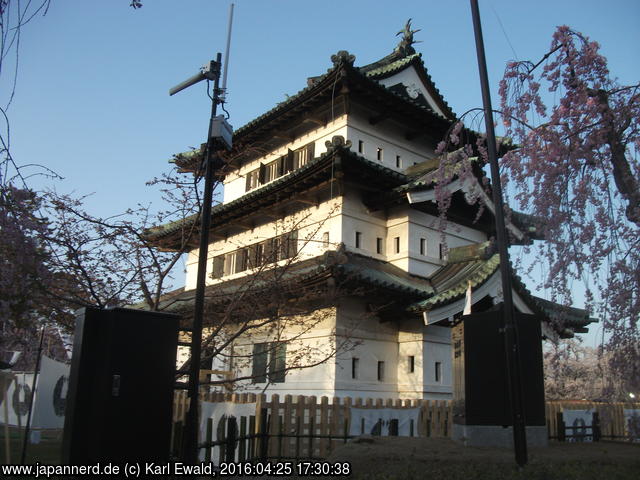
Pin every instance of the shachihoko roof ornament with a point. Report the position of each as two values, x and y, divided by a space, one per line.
405 45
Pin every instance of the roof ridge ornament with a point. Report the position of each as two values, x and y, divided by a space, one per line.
337 142
405 46
343 58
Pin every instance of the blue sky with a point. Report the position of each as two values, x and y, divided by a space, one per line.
92 97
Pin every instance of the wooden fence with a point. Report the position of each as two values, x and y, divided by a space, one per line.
311 427
611 417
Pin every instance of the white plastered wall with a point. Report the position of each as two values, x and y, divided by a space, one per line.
388 137
437 348
376 342
310 340
235 182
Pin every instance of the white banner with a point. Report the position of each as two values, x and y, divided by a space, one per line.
51 394
578 425
219 413
381 421
16 398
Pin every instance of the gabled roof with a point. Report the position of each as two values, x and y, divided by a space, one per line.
398 61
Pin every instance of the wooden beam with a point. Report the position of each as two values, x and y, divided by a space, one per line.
413 135
307 200
321 122
374 120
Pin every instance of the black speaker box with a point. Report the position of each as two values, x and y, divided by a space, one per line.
120 394
481 394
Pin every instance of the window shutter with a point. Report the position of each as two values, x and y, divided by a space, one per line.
311 151
293 244
281 169
218 267
262 174
277 362
259 367
289 161
241 260
259 254
251 256
267 251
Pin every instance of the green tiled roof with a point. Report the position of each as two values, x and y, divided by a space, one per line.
451 282
389 65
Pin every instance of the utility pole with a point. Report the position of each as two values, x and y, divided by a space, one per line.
510 327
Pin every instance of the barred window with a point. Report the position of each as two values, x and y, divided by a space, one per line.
269 251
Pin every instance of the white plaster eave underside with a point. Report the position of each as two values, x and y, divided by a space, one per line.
493 288
470 188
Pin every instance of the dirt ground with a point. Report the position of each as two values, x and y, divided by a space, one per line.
407 458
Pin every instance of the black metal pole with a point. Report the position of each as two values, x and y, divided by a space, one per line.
191 435
27 427
510 326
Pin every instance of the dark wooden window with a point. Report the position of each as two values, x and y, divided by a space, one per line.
277 362
277 168
423 246
303 155
438 371
442 252
218 267
398 161
252 179
380 154
259 366
358 239
271 171
412 363
380 371
396 244
360 146
269 362
288 161
355 364
279 248
379 245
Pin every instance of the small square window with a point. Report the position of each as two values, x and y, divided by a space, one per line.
398 161
379 154
360 146
438 371
355 364
379 245
358 239
423 246
380 371
396 243
412 363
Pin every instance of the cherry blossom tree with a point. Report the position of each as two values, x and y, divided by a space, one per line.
570 159
576 166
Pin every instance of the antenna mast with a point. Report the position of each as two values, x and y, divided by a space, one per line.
219 137
226 55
